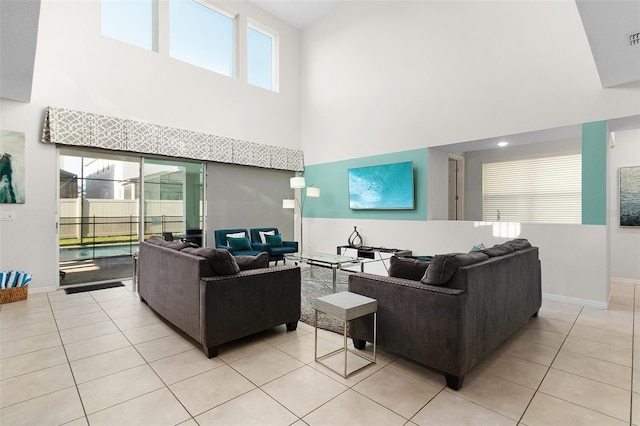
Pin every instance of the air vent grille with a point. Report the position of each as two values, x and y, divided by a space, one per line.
634 39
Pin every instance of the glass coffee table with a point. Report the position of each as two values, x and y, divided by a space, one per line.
323 260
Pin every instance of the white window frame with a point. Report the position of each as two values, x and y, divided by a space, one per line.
275 52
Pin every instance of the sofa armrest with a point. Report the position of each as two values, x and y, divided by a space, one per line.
261 247
424 322
234 306
293 244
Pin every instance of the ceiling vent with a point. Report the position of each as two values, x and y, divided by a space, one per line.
634 39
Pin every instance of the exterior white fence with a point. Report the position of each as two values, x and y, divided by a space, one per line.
104 218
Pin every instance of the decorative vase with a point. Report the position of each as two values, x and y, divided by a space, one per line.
355 239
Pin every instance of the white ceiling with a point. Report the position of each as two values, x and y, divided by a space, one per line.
609 25
298 13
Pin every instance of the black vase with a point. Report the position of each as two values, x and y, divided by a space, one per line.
355 239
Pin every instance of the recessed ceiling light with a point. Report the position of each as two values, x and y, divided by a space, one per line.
503 143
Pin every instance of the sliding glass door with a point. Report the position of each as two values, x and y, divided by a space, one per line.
173 199
106 208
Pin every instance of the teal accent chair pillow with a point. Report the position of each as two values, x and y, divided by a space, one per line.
239 243
274 240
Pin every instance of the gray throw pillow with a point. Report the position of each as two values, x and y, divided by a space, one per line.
498 250
518 244
220 260
253 262
155 240
175 245
444 266
410 269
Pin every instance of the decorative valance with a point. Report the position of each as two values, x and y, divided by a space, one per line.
79 128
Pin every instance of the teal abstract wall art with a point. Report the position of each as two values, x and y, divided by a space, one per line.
12 174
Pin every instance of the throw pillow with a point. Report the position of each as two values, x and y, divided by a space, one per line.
498 250
518 244
410 269
220 260
175 245
154 239
236 235
444 266
263 234
253 262
239 243
274 240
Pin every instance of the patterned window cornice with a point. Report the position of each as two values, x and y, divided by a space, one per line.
78 128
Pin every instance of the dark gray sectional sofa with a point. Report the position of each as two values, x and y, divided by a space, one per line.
464 306
204 293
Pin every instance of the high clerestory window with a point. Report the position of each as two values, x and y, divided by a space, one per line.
133 22
202 35
547 189
262 56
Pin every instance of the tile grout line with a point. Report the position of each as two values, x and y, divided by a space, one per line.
633 345
64 348
550 364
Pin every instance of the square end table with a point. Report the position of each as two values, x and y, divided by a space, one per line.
345 306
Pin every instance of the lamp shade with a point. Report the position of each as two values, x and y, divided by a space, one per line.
288 204
296 182
312 191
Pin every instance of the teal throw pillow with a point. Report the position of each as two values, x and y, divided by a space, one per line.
274 240
239 243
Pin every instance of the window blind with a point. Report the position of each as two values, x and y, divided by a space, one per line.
547 189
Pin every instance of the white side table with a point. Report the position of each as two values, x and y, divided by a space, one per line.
346 306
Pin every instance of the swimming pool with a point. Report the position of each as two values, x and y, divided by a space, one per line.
92 252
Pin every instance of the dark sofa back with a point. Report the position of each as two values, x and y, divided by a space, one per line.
169 281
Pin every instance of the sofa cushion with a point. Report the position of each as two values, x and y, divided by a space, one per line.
253 262
498 250
239 243
175 245
518 244
154 239
274 240
220 260
410 269
444 266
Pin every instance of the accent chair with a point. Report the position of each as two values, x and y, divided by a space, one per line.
271 241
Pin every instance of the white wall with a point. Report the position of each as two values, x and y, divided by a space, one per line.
380 77
77 68
572 257
625 242
386 76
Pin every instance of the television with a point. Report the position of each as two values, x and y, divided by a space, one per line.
382 187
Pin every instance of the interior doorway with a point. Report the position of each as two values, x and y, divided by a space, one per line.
456 188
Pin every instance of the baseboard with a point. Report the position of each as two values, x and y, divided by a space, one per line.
625 281
585 302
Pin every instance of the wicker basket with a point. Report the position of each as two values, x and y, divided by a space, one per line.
14 294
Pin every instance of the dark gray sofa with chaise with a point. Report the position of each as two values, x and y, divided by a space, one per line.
463 308
203 292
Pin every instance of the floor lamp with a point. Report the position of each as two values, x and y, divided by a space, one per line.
298 182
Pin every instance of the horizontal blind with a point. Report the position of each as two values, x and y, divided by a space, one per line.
547 189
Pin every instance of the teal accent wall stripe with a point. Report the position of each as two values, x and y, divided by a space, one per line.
332 180
594 173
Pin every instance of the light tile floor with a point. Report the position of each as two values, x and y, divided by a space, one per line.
103 357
